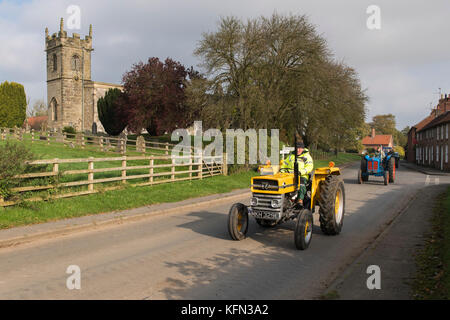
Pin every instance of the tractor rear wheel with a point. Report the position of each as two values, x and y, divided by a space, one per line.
363 164
238 221
364 178
391 167
266 223
303 229
332 205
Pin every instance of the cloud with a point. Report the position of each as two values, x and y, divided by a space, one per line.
402 65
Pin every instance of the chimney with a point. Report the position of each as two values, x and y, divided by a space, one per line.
373 132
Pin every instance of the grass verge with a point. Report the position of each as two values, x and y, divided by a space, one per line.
127 198
433 261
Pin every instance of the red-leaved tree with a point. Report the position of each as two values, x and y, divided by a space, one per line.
155 96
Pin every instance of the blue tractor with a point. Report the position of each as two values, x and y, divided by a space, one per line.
379 165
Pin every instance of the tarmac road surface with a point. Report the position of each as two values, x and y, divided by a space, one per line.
189 255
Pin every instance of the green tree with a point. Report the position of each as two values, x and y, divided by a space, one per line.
110 112
278 72
386 124
13 104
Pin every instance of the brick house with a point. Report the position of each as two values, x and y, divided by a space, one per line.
35 123
376 140
433 143
412 154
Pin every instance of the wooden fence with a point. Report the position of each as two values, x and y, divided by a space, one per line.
157 170
99 142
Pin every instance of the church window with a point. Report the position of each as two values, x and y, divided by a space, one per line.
55 62
75 63
54 109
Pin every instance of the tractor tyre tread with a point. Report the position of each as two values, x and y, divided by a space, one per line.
232 221
327 202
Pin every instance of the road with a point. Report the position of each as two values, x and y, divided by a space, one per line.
189 255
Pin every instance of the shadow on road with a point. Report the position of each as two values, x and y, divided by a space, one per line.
229 275
213 224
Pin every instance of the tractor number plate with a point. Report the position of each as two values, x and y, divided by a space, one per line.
264 215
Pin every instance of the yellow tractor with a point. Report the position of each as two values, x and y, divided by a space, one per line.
274 201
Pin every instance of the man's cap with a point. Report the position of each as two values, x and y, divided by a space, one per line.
300 144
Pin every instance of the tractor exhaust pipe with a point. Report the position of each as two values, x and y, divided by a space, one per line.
295 164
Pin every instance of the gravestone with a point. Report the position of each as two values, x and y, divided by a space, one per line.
122 143
79 138
59 136
140 144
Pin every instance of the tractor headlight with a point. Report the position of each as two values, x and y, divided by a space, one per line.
254 201
275 203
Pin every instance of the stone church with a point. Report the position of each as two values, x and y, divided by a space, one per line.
71 94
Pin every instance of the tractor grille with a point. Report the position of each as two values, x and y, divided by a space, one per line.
265 184
265 201
372 165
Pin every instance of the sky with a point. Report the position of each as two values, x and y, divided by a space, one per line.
402 66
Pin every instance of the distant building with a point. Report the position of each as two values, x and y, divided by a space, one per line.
428 139
71 94
433 143
374 140
36 123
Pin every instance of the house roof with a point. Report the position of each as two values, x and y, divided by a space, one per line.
443 118
441 108
424 122
381 139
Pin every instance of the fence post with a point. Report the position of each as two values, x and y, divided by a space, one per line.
224 164
167 148
91 174
151 171
32 135
201 165
48 137
122 146
55 166
82 141
101 143
124 170
173 169
190 167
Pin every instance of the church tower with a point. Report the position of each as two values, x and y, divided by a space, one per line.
69 84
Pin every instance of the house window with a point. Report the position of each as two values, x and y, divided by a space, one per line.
446 154
55 62
442 132
432 153
437 153
446 131
438 131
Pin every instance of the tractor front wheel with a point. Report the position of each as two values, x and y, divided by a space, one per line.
238 221
360 177
303 229
386 178
332 205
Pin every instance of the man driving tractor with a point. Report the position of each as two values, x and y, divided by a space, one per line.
305 167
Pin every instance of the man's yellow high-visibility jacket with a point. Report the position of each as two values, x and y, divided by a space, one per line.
304 161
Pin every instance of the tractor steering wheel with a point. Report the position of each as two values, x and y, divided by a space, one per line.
285 170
